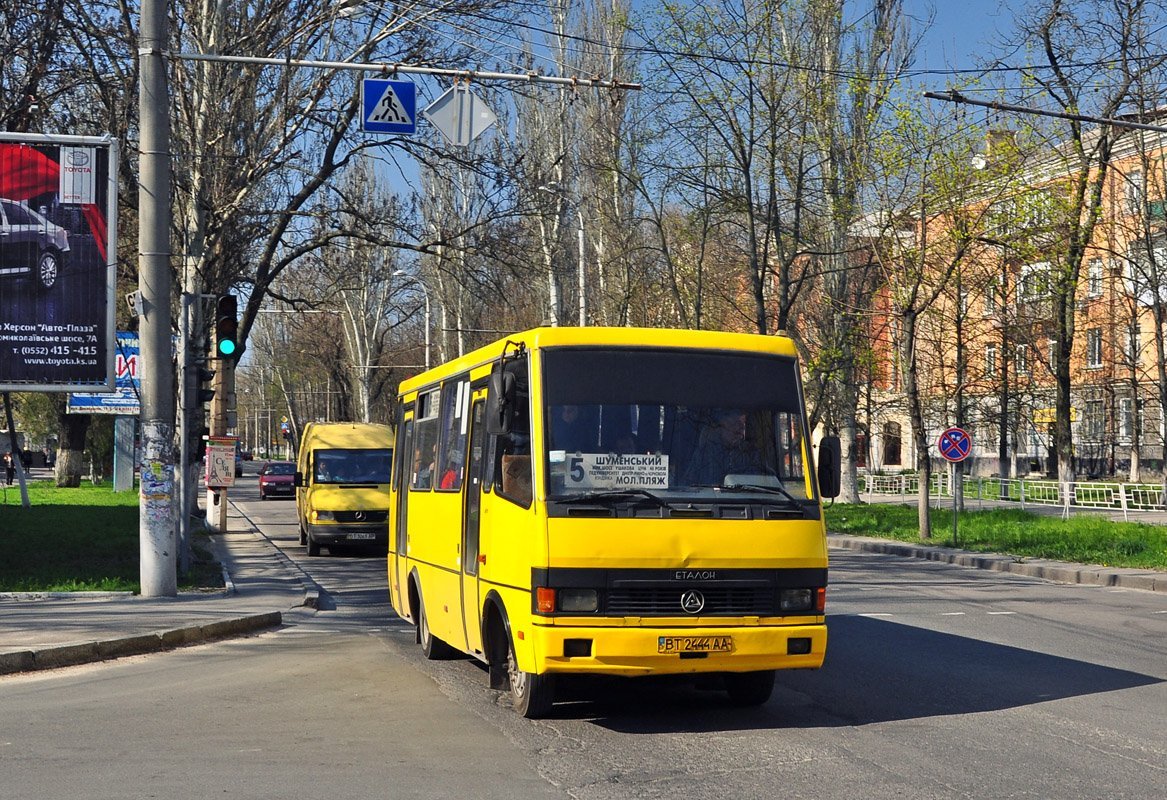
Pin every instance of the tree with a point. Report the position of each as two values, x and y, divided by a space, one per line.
853 71
1078 40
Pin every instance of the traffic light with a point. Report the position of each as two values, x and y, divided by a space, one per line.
205 392
226 326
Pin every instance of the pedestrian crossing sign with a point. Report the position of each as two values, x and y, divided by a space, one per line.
388 106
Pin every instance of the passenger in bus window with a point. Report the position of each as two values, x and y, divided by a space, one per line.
569 431
723 448
452 477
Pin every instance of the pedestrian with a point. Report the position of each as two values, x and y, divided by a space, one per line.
9 468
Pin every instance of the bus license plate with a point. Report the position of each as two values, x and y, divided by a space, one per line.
362 536
694 644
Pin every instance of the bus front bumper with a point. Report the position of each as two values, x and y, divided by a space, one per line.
342 533
666 650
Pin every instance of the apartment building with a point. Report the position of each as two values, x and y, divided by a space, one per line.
987 345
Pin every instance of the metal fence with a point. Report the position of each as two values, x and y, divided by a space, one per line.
1100 495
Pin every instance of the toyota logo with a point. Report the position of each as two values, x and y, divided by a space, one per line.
692 601
78 158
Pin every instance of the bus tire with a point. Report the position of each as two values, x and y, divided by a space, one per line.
749 688
313 546
433 648
531 694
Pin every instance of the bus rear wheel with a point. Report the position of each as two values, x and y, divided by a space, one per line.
749 688
532 695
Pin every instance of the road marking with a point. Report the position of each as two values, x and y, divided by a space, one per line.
1000 613
875 614
952 614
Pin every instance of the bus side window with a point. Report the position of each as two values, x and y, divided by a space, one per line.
425 435
511 452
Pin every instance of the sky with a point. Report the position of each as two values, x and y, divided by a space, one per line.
961 30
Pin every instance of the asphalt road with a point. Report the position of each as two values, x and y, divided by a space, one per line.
940 682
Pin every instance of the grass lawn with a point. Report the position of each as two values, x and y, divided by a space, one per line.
1082 539
83 539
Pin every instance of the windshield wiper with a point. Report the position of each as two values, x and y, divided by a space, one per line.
614 495
755 487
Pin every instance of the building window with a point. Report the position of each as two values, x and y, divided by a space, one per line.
991 298
1034 281
1022 359
1094 278
1093 421
991 360
1126 419
1135 191
1131 345
891 444
1094 348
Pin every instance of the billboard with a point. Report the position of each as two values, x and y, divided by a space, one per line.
58 257
124 399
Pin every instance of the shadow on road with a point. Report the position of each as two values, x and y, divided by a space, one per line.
876 671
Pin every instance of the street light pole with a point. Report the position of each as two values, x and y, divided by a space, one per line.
156 539
426 294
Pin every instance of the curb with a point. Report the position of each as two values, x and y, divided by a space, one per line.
88 652
1056 571
311 588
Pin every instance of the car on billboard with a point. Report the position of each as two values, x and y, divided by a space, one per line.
30 244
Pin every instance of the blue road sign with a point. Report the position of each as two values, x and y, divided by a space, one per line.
954 444
388 106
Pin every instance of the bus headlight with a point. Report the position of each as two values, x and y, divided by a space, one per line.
579 600
796 600
323 516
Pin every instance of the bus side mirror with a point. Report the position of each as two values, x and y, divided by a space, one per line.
298 479
830 466
500 399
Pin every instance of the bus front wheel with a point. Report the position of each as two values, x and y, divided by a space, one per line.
749 688
531 694
432 647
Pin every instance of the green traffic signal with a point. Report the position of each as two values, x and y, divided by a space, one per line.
226 325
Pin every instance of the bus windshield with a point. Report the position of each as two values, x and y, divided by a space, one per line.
352 466
708 424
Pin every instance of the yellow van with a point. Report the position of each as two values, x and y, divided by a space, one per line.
342 484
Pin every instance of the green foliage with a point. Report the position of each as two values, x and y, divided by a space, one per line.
1084 538
35 415
83 539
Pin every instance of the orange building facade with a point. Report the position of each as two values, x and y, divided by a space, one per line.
986 346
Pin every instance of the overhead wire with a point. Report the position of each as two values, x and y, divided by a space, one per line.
651 49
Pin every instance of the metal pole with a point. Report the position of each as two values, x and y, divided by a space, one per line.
156 515
426 294
393 69
182 477
17 462
955 504
583 303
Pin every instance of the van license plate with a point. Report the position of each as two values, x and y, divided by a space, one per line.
694 644
362 536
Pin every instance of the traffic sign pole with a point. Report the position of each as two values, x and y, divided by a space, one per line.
955 445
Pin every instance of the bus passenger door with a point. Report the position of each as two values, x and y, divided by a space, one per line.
399 570
471 603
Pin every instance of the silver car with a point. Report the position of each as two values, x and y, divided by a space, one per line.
30 244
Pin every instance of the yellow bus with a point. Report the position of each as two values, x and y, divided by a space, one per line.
613 501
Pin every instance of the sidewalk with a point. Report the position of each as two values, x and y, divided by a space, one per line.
263 585
44 632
